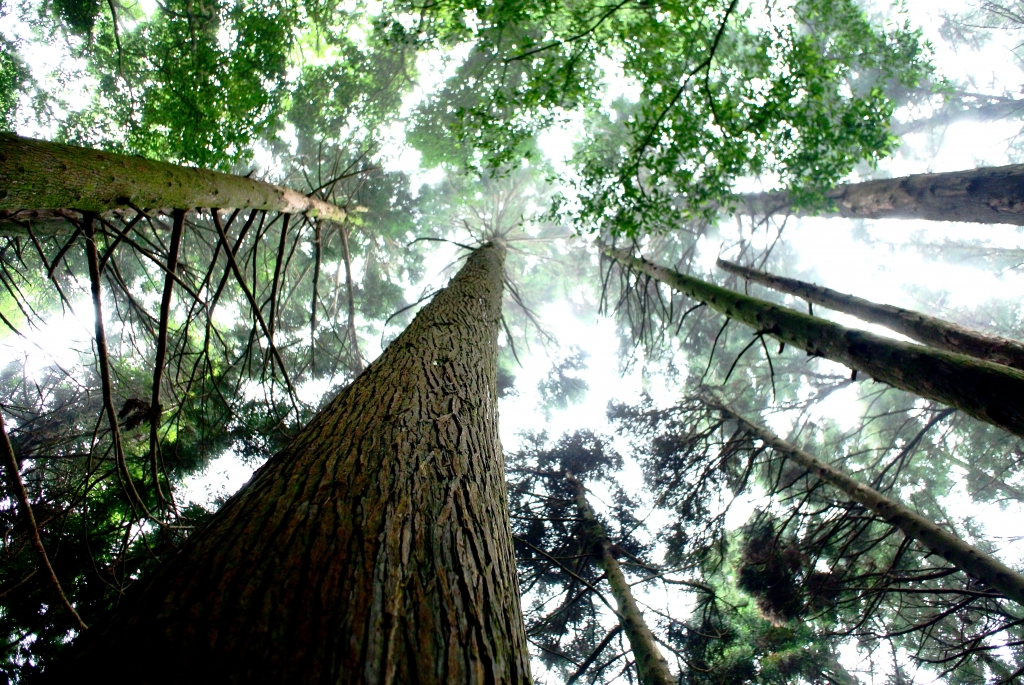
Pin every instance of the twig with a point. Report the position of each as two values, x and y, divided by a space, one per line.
92 256
317 251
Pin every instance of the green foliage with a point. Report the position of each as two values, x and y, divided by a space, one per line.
799 94
194 83
359 88
78 15
733 644
14 77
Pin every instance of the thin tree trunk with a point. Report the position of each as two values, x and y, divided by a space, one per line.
650 664
375 548
965 557
925 329
990 392
989 195
317 245
36 174
839 674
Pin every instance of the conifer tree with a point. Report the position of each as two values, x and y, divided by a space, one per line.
374 546
564 547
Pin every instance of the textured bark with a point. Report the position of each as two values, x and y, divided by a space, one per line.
965 557
650 664
375 548
990 195
38 175
925 329
990 392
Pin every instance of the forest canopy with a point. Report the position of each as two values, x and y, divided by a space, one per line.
740 279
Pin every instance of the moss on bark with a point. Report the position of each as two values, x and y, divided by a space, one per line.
39 175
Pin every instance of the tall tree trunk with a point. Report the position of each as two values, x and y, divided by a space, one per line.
375 548
965 557
989 195
925 329
650 664
38 175
990 392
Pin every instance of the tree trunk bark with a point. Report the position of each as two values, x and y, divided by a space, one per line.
990 392
925 329
965 557
650 664
38 175
375 548
989 195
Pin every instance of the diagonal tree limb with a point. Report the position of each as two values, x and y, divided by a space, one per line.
578 578
987 391
317 254
966 557
594 655
68 177
272 319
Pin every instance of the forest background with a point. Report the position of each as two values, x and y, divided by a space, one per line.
396 114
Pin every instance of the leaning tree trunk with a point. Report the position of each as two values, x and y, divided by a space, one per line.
375 548
650 664
989 195
936 540
925 329
990 392
38 175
